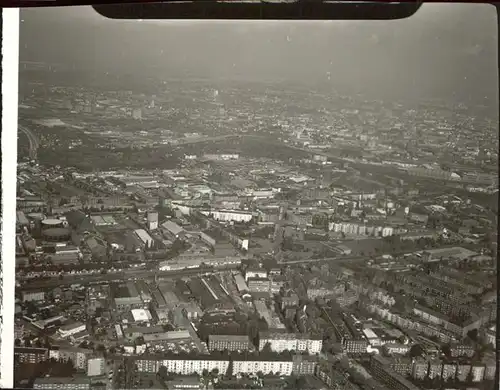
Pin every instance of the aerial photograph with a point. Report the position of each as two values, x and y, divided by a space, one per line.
261 205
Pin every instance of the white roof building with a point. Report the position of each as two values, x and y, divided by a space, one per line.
141 315
173 228
144 236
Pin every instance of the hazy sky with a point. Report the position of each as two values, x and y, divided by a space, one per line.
444 50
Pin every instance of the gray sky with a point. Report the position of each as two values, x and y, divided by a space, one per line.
445 50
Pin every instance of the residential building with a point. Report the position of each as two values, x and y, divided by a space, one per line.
185 383
259 285
229 342
290 301
33 296
420 368
396 348
381 370
355 345
303 365
78 356
283 367
334 379
183 366
70 383
259 273
280 342
31 355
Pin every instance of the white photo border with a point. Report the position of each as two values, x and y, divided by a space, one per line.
10 86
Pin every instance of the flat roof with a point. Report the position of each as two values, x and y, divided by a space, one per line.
370 334
51 221
143 235
225 337
141 315
71 326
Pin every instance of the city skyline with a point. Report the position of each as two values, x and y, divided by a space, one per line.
265 205
443 51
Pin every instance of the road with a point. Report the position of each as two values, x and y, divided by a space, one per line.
116 276
148 274
206 139
331 259
32 139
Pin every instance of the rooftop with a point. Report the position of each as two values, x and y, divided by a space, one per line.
230 338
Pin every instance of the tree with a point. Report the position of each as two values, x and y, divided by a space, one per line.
416 350
446 349
101 348
163 373
472 334
344 363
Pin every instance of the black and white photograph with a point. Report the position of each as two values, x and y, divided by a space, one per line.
269 205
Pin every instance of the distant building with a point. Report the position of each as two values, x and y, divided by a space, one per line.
230 215
137 113
33 295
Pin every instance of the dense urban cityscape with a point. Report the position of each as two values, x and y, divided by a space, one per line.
221 245
177 231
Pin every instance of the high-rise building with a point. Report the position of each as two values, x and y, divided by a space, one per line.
152 220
